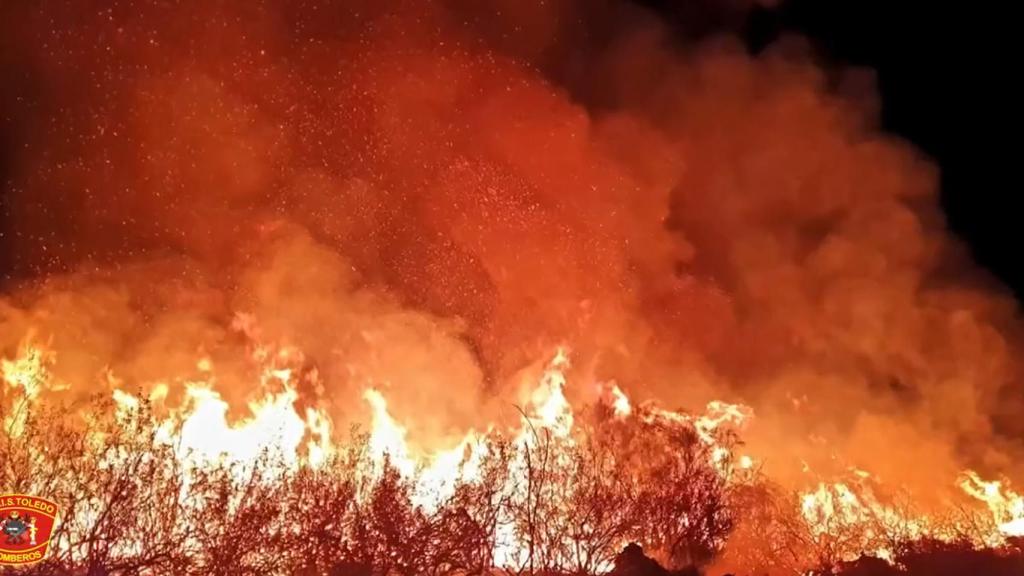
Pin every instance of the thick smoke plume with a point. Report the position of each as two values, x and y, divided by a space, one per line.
429 197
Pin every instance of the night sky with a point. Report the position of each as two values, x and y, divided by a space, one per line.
944 70
941 74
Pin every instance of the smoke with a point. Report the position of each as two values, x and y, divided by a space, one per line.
429 197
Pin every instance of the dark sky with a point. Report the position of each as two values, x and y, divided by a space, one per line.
944 70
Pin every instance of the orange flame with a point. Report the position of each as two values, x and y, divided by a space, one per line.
202 433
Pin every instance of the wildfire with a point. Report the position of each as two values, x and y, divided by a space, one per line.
1006 505
387 440
851 511
367 283
28 370
620 402
203 435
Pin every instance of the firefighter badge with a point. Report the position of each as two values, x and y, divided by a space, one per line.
26 524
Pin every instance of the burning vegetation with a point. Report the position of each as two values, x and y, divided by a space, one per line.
403 288
149 488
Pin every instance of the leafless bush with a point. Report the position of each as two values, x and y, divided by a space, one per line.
131 505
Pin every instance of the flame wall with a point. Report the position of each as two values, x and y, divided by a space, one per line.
429 197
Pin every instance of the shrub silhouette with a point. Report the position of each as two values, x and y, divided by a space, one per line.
131 505
936 558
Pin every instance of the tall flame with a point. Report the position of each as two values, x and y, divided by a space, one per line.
1006 505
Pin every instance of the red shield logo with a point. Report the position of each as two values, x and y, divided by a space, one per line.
26 524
